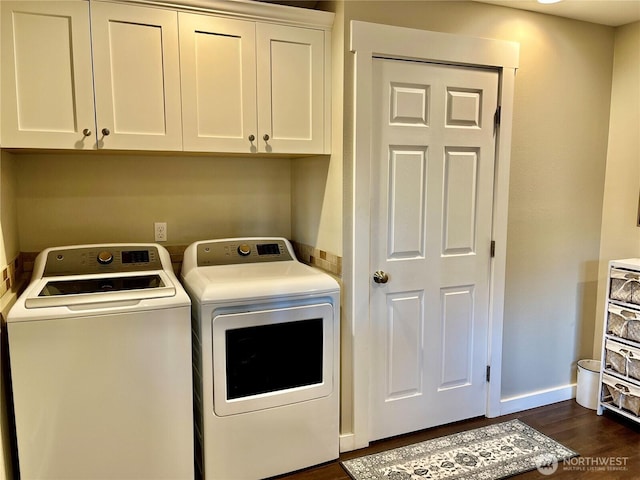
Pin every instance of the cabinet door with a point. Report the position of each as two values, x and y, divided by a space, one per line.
290 89
47 85
137 80
218 69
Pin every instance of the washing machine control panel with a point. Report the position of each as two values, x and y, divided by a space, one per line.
101 259
239 251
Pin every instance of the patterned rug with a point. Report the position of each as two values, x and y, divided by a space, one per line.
487 453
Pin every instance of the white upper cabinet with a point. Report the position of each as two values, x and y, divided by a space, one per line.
47 83
246 78
290 88
270 95
136 68
48 76
218 67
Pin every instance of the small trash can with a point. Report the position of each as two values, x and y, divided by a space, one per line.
588 383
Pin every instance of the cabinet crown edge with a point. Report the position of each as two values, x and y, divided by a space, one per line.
247 10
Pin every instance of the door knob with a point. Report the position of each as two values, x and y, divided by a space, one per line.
252 137
86 132
380 277
105 132
265 137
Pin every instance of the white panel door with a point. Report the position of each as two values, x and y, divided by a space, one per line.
47 82
137 77
432 191
218 71
290 89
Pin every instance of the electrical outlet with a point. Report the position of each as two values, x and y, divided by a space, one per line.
160 229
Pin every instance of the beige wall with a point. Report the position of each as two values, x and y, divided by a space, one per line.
9 244
560 127
316 202
316 196
73 198
8 251
620 233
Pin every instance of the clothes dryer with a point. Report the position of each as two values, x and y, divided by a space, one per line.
266 358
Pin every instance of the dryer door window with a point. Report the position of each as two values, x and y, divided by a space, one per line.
269 358
274 357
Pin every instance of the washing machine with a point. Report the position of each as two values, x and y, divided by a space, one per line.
100 358
266 358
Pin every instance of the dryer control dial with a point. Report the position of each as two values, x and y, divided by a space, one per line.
244 250
105 257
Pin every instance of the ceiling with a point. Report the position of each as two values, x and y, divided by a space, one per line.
605 12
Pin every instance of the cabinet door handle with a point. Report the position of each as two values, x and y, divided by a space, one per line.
86 132
106 132
252 137
265 137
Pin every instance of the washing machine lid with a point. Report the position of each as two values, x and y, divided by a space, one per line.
237 283
84 289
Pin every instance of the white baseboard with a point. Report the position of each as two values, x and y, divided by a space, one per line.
347 442
539 398
514 404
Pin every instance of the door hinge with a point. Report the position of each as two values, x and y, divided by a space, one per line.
488 373
493 248
497 115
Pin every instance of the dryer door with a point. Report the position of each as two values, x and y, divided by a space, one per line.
268 358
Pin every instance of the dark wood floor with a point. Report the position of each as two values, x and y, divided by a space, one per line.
577 428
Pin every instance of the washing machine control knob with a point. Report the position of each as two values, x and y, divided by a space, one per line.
244 250
105 257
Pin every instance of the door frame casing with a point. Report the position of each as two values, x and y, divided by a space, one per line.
369 40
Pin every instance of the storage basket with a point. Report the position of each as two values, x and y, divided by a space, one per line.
588 383
623 359
621 394
625 286
623 323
